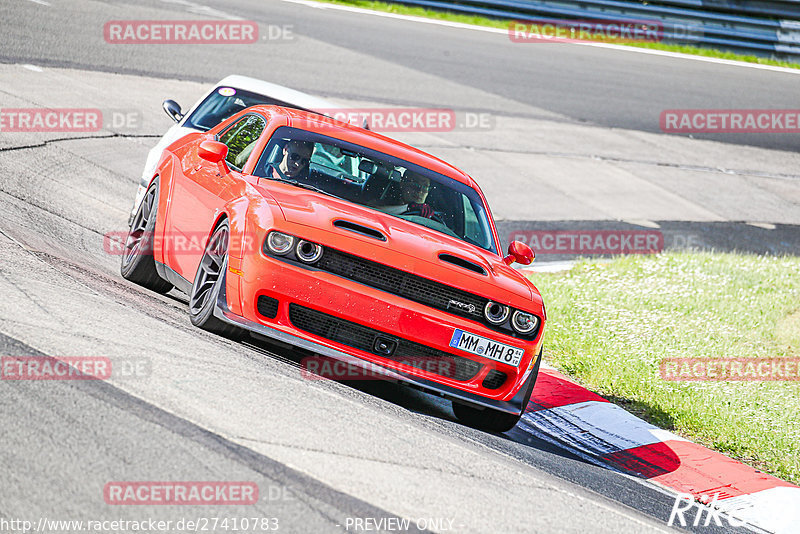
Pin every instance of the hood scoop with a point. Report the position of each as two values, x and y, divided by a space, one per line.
359 229
464 264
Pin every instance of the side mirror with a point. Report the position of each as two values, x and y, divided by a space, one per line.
212 151
519 252
172 109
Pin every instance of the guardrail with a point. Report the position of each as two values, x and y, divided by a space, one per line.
759 27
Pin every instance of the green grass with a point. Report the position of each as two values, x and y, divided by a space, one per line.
610 325
401 9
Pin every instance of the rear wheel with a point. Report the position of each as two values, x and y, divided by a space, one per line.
208 283
494 420
138 264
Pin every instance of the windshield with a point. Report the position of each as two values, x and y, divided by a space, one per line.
225 102
377 181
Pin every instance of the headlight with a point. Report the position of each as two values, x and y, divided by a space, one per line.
524 322
496 313
279 243
308 252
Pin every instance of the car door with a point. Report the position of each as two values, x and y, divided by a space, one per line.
201 191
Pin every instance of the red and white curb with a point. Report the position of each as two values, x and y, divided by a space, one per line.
568 415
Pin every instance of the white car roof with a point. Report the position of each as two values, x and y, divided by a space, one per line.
278 92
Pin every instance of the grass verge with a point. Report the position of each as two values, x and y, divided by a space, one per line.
611 324
475 20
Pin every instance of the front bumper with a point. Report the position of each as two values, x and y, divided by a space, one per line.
516 405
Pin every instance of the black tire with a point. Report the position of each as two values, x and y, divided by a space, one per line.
485 418
138 264
207 284
494 420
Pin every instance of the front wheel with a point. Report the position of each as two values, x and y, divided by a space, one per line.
485 418
494 420
207 284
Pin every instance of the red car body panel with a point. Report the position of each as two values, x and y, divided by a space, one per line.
195 194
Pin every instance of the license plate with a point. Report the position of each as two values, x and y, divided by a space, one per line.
487 348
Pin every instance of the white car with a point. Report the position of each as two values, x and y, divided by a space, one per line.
231 95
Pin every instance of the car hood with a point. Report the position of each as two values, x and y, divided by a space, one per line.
408 246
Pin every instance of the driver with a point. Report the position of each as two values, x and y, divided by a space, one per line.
414 188
296 157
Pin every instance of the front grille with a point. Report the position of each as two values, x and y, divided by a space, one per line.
267 306
364 338
494 379
401 283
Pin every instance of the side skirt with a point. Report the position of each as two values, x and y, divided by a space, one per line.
180 283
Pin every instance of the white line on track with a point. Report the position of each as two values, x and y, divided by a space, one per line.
623 509
200 9
460 25
40 2
597 428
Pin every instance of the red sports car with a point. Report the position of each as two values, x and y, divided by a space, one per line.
355 246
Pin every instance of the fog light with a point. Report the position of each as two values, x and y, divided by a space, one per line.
496 313
308 252
524 322
279 243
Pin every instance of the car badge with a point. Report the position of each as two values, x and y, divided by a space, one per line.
461 306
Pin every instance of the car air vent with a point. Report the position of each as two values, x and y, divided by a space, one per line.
267 306
407 352
464 264
494 379
359 229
